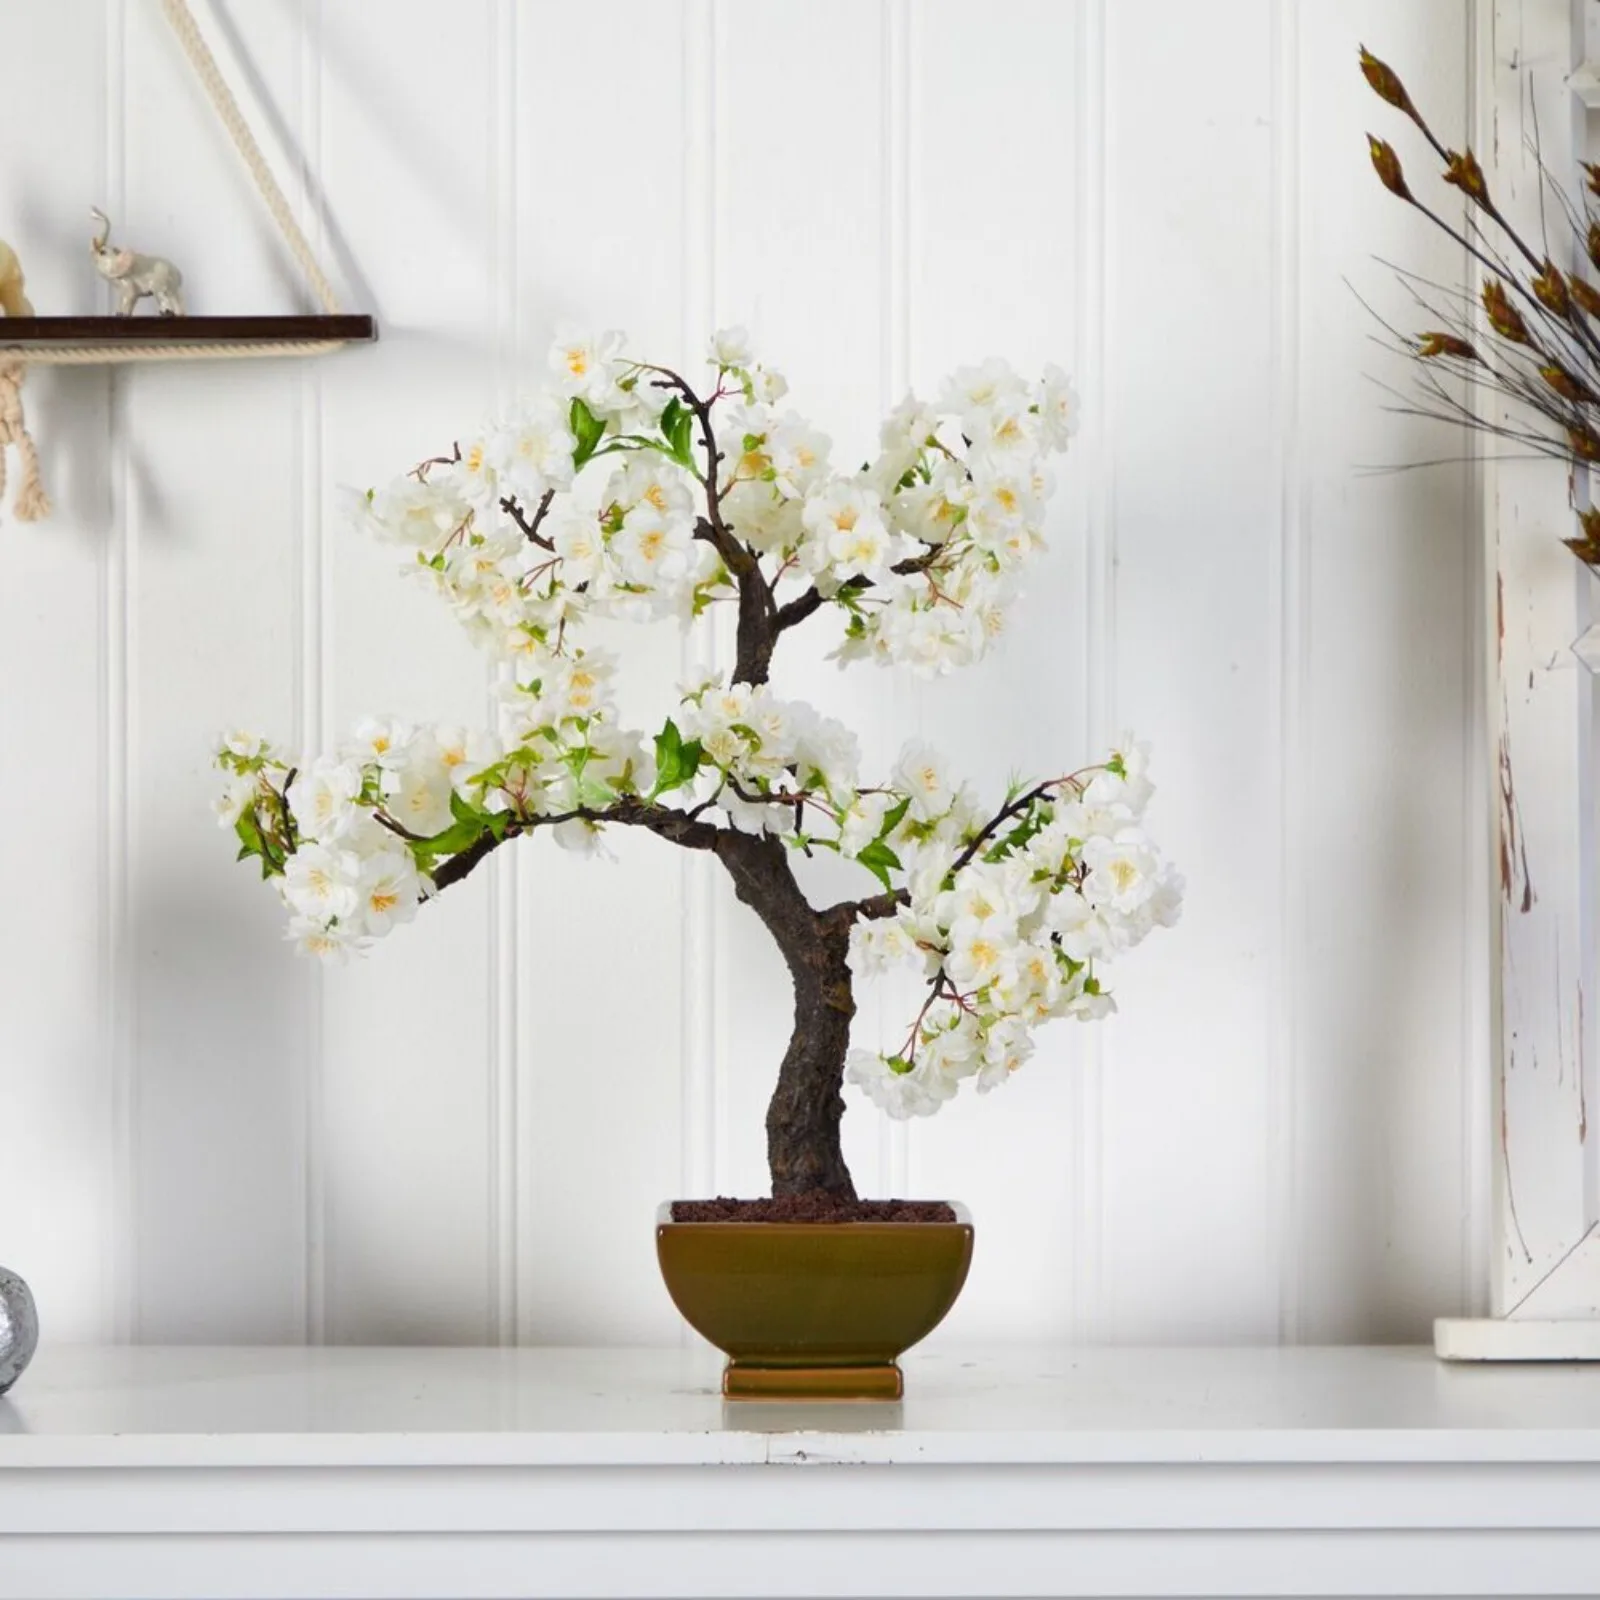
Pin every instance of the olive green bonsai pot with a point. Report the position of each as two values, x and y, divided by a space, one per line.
813 1310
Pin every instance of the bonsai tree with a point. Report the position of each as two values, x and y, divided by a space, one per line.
625 491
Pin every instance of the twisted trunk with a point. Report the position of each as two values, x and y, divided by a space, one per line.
803 1151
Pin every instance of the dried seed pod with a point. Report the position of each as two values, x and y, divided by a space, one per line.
1592 168
1568 385
1444 344
1387 165
1386 83
1584 441
1464 172
1586 295
1504 317
1587 549
1551 289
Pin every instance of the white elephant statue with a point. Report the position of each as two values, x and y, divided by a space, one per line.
13 302
136 276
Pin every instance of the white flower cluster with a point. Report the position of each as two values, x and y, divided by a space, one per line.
348 837
770 765
1010 920
920 550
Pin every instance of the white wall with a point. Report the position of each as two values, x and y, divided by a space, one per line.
463 1138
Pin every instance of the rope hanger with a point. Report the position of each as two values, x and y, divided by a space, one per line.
32 504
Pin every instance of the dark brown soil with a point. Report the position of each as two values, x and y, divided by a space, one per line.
818 1206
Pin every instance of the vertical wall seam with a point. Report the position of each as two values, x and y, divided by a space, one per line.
315 583
1283 1243
1584 26
894 249
724 617
1479 957
116 735
700 1062
504 1164
1088 1315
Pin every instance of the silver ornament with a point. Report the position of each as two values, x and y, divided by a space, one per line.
19 1328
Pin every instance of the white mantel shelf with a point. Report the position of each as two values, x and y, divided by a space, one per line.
1025 1472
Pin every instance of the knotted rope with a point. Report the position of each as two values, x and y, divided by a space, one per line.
32 504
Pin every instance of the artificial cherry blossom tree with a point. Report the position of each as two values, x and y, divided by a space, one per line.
626 491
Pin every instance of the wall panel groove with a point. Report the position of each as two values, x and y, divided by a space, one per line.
894 1155
504 1152
313 604
1477 1029
700 1062
1282 1226
1094 333
117 731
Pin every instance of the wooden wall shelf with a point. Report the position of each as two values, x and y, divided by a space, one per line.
152 331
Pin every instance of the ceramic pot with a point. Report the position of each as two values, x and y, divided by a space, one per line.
19 1328
813 1310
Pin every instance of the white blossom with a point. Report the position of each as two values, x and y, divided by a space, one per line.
321 882
388 890
730 347
532 451
323 798
584 363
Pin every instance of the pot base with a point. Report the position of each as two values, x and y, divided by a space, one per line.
744 1380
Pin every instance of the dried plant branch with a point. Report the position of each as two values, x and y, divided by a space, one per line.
1538 353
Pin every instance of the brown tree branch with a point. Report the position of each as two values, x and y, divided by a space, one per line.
795 611
530 528
678 827
872 909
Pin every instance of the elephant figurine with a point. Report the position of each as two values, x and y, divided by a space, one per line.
136 276
13 302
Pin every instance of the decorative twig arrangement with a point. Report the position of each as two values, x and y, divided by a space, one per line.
626 491
1544 323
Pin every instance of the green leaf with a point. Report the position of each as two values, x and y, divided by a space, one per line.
249 832
878 858
677 759
587 429
680 434
1016 838
460 835
595 794
669 417
893 817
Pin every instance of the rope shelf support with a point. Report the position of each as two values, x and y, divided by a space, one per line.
102 341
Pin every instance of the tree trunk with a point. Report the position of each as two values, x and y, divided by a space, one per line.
803 1152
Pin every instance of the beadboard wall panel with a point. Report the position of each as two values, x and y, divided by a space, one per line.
61 625
1031 133
462 1139
600 1048
1389 1154
212 1036
401 1151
